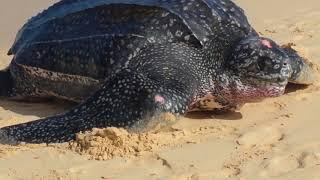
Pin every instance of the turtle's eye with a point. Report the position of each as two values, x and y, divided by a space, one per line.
254 67
264 63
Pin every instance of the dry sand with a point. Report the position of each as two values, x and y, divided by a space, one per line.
275 139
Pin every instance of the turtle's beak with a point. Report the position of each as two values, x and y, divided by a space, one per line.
306 75
302 72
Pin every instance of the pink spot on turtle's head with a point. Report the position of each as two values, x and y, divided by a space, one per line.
159 99
266 43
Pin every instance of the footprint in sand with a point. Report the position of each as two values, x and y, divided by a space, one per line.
264 135
309 159
284 164
279 165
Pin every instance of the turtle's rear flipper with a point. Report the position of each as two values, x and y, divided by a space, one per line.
6 83
302 71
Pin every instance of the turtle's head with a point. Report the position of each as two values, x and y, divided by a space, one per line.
302 71
260 69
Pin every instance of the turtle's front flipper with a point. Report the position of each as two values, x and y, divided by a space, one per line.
128 100
302 72
6 83
155 83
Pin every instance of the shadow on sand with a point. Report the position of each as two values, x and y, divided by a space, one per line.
291 88
49 107
41 108
230 115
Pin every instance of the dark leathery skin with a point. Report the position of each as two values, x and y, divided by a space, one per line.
145 57
127 99
198 15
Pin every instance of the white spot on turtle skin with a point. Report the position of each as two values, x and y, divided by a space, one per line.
187 37
111 61
171 23
165 14
152 39
38 55
178 33
165 26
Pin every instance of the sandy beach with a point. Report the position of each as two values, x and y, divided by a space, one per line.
275 139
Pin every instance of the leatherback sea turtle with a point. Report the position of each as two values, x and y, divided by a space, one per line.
127 61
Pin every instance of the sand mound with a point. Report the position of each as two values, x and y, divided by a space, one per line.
104 144
260 136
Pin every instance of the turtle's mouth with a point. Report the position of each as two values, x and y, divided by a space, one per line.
251 89
276 80
256 92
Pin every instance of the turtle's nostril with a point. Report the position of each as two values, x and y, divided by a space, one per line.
285 64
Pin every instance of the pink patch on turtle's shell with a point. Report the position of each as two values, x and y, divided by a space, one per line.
159 99
266 43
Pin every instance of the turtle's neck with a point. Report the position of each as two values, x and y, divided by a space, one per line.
219 45
236 91
230 92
